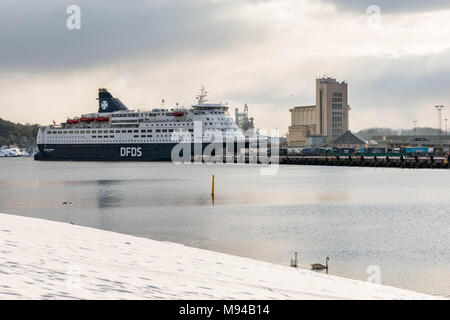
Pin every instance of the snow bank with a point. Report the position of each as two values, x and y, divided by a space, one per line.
42 259
13 152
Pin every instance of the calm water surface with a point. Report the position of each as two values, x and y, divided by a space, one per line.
398 220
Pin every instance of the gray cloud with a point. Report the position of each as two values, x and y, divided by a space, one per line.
391 6
266 55
35 37
407 82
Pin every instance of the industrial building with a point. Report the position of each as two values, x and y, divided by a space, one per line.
243 121
348 140
328 119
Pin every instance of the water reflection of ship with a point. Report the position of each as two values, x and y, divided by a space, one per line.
107 197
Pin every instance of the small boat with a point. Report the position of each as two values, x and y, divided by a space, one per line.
178 114
102 119
87 119
72 121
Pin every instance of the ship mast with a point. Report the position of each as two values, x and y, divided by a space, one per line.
202 96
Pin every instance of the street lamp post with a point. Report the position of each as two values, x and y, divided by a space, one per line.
439 109
446 131
415 130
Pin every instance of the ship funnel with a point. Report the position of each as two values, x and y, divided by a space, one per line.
107 103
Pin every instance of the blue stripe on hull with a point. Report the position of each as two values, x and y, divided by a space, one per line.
113 152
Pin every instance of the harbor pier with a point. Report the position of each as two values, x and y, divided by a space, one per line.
384 161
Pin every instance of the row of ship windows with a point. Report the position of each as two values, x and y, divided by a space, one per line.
167 124
111 131
172 124
97 145
177 124
102 140
124 115
106 141
99 142
121 115
112 137
136 136
122 131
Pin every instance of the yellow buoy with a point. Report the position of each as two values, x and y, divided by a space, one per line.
212 187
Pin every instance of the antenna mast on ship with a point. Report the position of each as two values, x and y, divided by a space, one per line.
202 96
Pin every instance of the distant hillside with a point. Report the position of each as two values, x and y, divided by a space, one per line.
367 134
21 135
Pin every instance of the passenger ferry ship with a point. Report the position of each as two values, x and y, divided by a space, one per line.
117 133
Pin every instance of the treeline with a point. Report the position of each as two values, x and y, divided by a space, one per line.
21 135
367 134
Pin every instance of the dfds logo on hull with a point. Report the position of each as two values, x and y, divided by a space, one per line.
131 152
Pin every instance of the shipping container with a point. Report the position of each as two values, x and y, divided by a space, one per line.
310 151
376 150
416 150
344 150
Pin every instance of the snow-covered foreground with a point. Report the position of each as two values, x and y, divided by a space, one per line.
42 259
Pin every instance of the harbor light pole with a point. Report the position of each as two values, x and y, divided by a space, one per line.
439 109
415 129
446 131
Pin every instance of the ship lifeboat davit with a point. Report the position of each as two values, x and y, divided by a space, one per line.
87 119
178 114
102 119
72 121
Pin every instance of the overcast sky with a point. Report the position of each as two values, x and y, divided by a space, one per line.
267 53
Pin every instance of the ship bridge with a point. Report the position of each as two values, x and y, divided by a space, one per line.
203 106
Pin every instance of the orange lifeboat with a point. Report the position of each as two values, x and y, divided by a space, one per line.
178 114
102 119
87 119
72 121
